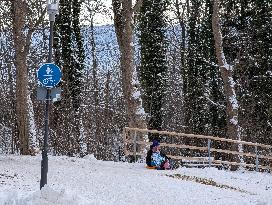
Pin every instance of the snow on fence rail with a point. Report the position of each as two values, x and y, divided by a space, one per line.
209 149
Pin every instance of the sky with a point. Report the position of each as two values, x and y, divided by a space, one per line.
103 19
105 15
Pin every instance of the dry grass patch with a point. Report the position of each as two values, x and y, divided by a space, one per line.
208 182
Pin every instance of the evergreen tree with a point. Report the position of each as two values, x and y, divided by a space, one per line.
69 56
203 86
70 45
195 73
247 43
258 72
153 66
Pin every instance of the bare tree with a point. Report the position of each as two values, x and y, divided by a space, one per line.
233 128
22 41
124 12
96 142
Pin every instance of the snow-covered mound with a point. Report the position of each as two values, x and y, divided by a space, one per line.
87 181
46 196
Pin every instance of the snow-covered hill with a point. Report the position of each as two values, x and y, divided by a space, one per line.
74 181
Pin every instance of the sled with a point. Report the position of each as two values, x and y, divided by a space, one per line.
151 167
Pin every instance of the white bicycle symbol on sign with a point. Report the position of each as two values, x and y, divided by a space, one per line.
47 81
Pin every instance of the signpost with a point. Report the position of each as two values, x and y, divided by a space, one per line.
49 76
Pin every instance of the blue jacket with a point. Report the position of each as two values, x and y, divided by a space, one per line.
155 158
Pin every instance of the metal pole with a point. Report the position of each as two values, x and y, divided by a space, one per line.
51 41
209 152
257 159
44 163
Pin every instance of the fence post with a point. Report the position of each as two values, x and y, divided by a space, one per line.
257 159
134 145
209 152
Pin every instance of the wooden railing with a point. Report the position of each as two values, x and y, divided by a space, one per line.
134 141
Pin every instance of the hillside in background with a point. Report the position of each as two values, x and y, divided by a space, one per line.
107 52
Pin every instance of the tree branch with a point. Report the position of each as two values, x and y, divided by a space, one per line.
137 6
32 29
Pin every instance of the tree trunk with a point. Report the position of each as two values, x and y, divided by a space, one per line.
22 39
123 16
233 128
98 137
19 8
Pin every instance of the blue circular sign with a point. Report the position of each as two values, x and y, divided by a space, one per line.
49 75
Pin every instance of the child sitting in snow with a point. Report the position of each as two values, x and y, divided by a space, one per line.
156 159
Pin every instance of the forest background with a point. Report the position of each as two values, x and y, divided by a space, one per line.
116 75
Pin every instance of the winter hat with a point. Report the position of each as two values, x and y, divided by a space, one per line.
155 143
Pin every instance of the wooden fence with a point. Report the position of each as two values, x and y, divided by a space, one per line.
134 141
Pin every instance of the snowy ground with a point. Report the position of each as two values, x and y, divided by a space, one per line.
73 181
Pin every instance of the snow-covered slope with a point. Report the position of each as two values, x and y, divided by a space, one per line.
74 181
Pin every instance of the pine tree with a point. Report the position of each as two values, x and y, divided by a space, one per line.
195 73
78 54
153 66
247 43
258 72
69 56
